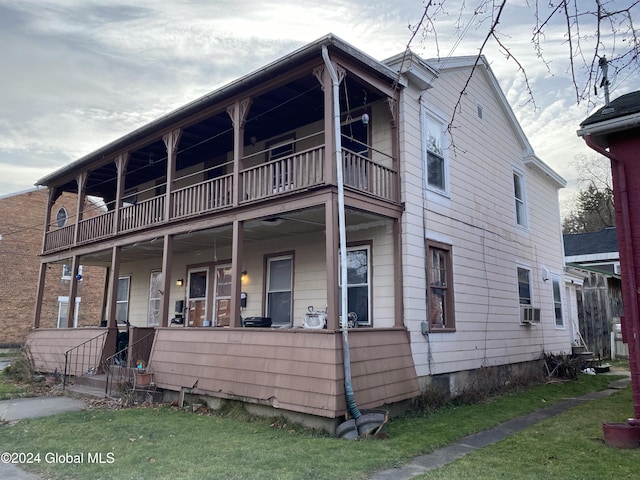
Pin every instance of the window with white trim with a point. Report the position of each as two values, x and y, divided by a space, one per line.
520 199
155 297
358 283
557 301
435 160
122 299
279 295
524 286
63 312
66 272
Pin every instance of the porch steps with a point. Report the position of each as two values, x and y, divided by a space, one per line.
588 359
88 386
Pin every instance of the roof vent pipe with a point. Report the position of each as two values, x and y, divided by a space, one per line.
348 389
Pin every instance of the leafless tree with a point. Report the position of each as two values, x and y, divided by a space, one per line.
597 33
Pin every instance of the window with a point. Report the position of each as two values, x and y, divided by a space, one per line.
222 299
122 300
436 166
63 311
557 302
61 217
440 287
358 283
524 286
279 289
519 196
154 298
66 272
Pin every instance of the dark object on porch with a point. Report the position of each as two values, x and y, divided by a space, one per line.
264 322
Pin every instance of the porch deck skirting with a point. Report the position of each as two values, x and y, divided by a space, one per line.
296 370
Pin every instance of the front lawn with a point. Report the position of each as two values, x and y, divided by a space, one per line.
163 442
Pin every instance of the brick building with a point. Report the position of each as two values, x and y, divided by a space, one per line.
21 229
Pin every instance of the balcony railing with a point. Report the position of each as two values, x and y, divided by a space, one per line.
293 173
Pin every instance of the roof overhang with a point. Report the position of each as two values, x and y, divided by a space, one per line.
600 131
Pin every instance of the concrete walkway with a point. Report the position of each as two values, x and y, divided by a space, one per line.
33 407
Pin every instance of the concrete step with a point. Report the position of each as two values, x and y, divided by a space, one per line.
97 381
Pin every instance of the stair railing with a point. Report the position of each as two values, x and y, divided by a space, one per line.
118 368
83 359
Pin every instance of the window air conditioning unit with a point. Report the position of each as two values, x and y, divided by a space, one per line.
529 315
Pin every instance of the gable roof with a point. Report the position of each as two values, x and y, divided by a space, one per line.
528 155
604 241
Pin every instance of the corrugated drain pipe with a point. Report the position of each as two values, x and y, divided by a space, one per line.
348 389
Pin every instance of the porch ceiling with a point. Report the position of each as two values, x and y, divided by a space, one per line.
301 222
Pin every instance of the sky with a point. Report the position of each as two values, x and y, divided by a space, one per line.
77 74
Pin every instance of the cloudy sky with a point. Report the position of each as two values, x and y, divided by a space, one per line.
76 74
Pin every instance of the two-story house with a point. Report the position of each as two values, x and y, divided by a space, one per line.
227 220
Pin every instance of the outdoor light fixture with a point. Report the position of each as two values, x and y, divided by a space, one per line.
179 282
365 119
244 275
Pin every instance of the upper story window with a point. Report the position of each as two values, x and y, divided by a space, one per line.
61 217
435 159
520 199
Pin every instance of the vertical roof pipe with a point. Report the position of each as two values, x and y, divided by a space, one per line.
351 404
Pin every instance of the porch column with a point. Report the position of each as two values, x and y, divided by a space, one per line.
238 113
324 78
52 196
332 252
395 144
121 167
236 272
73 290
81 180
167 258
171 141
112 291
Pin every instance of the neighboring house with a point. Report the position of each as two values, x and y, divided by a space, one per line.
593 258
593 249
226 212
21 219
614 131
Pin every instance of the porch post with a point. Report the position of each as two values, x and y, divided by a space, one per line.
167 258
395 144
331 258
171 141
324 78
39 294
112 291
73 290
82 183
238 113
121 167
236 272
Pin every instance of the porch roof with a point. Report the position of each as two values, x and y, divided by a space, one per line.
228 92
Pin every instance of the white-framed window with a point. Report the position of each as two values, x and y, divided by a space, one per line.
155 298
436 165
67 273
279 294
524 286
557 301
519 194
63 311
122 299
358 283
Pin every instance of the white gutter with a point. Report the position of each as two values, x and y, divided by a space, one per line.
612 125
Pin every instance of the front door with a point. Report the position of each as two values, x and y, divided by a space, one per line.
222 296
197 301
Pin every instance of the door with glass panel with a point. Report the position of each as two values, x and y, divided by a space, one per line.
197 299
222 296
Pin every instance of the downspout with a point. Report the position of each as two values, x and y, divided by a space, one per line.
348 388
631 330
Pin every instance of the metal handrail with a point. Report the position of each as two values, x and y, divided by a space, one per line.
124 372
84 362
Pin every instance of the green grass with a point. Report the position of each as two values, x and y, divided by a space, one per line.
569 446
10 390
164 443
